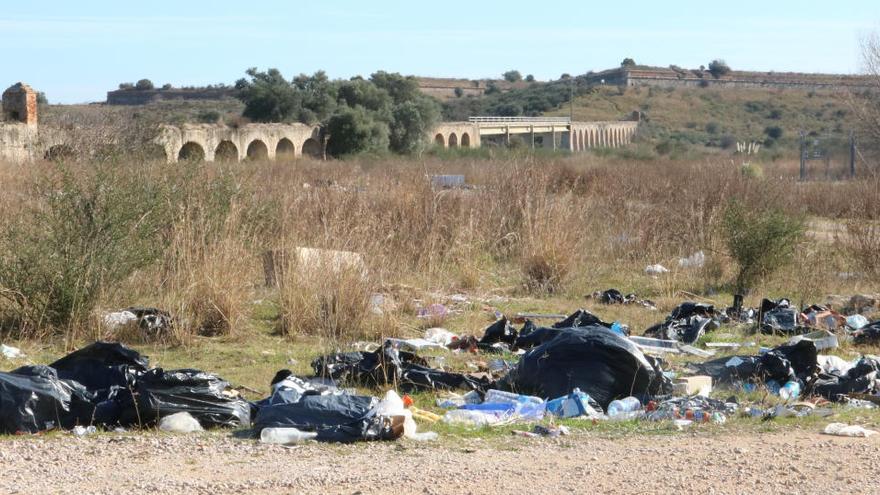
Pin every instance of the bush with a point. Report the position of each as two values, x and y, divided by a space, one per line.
530 78
773 132
727 141
209 117
512 76
759 240
628 62
93 228
144 85
713 127
355 131
458 92
718 68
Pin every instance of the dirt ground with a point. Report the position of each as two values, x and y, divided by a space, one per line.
794 461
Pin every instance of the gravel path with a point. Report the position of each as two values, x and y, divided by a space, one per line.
790 462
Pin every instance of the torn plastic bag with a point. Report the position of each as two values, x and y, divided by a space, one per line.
686 330
860 378
580 319
288 388
780 317
335 418
415 377
370 369
689 308
868 334
102 365
34 399
500 331
789 362
728 369
611 296
205 396
600 362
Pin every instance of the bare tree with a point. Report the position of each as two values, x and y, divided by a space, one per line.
864 101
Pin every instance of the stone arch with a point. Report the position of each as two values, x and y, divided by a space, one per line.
439 140
285 150
465 140
191 151
312 148
453 140
226 151
257 150
59 153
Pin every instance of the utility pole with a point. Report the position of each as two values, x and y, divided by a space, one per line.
803 156
852 154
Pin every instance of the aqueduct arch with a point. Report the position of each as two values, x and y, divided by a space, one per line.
257 150
465 140
191 152
285 150
312 148
226 151
453 141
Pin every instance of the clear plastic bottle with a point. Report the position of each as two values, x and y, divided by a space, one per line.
510 398
791 390
624 408
285 436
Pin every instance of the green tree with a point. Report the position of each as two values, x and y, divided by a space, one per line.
718 68
144 84
318 94
628 62
530 78
410 124
773 131
268 97
512 76
355 130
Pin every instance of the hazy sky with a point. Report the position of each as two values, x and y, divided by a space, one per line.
77 50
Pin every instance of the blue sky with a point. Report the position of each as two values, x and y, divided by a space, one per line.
77 50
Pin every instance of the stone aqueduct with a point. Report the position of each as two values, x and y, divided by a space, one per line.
22 140
288 141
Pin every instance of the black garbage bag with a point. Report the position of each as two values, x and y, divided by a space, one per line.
686 323
728 369
535 336
205 396
102 365
595 359
686 330
336 418
34 399
611 296
418 378
580 319
868 334
500 331
789 362
861 378
781 318
370 369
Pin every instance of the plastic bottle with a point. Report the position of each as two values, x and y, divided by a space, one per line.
285 436
498 396
624 408
470 418
791 390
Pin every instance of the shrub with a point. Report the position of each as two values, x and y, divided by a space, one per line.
530 78
628 62
458 92
773 131
512 76
727 141
713 127
775 114
718 68
355 131
862 240
209 117
144 85
92 229
759 240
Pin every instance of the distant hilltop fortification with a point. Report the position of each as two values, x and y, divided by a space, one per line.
674 76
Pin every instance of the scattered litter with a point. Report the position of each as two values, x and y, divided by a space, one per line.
693 385
845 430
181 422
552 431
433 311
822 339
614 296
286 436
696 260
440 336
574 405
656 270
856 322
10 352
82 431
686 323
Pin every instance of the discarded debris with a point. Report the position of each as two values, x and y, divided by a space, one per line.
181 422
656 270
10 352
845 430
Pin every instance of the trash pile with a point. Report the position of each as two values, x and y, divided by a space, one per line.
110 385
577 367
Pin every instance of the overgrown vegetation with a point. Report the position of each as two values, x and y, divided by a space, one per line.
384 112
78 240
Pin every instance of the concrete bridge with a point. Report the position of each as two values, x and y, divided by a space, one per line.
535 132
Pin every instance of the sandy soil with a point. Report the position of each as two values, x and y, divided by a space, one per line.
790 462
